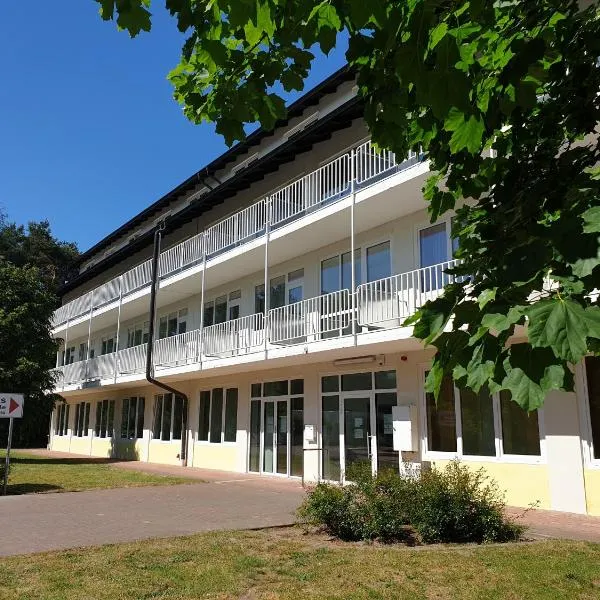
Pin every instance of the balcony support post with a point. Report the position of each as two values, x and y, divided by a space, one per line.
87 351
353 315
202 291
266 267
116 367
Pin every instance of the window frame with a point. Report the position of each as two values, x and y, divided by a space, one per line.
222 442
181 318
97 429
83 432
142 326
61 427
171 439
500 456
585 417
137 435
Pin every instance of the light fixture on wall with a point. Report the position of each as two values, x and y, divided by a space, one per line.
357 360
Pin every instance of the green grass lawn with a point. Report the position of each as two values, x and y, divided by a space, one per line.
286 564
30 473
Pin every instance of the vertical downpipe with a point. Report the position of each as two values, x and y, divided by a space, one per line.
149 374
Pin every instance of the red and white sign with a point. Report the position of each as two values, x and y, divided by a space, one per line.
11 406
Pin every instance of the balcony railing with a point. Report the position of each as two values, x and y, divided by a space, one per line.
384 303
389 301
327 184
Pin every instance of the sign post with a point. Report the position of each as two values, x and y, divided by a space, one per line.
11 407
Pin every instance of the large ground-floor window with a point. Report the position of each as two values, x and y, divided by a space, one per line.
61 425
169 415
217 419
82 419
105 418
132 417
463 423
592 372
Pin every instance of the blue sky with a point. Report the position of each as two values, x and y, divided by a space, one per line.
89 131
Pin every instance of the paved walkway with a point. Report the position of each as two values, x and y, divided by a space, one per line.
40 522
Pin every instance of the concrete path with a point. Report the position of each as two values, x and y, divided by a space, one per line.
40 522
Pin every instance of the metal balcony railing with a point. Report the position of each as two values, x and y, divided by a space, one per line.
388 302
327 184
310 320
377 304
235 337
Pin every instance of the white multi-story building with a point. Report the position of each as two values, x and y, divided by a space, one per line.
278 356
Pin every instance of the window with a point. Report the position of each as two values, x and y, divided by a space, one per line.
108 345
336 272
277 292
61 426
441 419
520 430
137 334
222 309
82 419
295 283
105 418
82 354
168 417
218 415
259 299
69 355
433 245
592 371
480 425
173 323
132 418
379 262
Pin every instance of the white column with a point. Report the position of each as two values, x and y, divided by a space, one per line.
118 329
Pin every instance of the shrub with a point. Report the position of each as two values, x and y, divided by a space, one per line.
457 504
453 504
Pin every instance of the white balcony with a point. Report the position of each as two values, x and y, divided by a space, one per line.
314 192
381 304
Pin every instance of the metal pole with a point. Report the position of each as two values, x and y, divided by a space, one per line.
201 336
119 327
266 282
352 252
7 464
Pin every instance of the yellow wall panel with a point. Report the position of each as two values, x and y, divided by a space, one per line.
522 484
165 453
592 491
220 457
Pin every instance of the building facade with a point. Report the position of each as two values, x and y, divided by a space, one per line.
286 269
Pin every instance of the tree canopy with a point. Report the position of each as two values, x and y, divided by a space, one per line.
33 265
502 96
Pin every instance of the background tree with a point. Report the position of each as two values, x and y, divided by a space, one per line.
33 265
503 97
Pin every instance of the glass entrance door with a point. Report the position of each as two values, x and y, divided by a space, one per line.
275 437
361 426
357 430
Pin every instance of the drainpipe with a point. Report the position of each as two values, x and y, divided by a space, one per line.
149 374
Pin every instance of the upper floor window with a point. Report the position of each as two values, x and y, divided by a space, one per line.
468 424
68 355
137 334
61 425
223 308
336 272
379 262
132 418
283 289
82 419
105 418
108 344
592 371
173 323
217 421
168 417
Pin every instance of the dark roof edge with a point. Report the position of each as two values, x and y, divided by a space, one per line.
295 109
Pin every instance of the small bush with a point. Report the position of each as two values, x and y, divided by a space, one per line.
453 504
457 504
